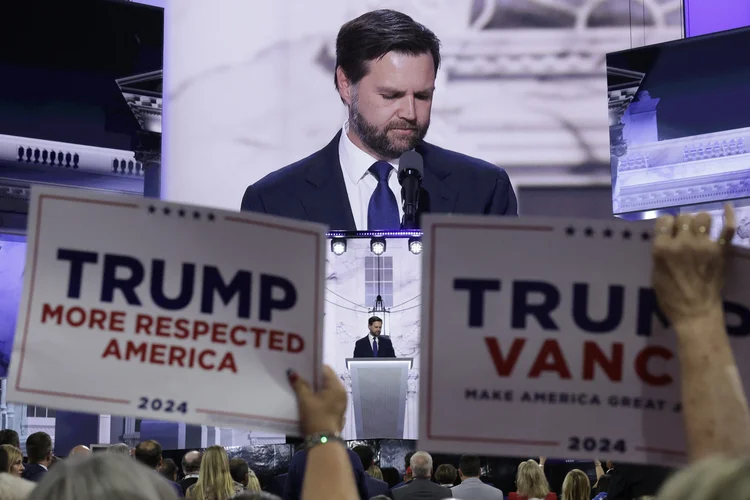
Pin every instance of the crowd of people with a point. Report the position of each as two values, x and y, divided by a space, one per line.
688 275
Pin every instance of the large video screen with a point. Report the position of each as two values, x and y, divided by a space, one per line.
679 121
12 258
78 106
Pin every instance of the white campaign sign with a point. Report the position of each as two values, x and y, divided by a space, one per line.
542 337
138 307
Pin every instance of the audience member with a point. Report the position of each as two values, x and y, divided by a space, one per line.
367 459
374 471
391 476
253 483
446 475
469 469
243 475
531 484
214 479
168 469
601 487
381 497
39 453
257 495
9 436
120 448
576 486
331 471
407 471
149 453
421 487
12 462
80 451
191 464
107 476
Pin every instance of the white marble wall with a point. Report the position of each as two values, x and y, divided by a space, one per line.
346 315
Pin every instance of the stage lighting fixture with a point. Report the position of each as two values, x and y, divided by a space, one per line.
338 245
415 245
377 246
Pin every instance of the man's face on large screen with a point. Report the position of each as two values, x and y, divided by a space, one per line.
390 107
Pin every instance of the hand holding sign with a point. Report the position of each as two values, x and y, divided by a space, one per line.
689 268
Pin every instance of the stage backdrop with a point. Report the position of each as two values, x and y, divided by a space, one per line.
249 87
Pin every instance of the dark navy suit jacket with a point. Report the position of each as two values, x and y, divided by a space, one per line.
296 476
33 472
363 348
313 189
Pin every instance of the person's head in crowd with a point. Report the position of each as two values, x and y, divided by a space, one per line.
9 436
375 472
80 451
407 460
149 454
381 497
610 465
469 466
214 479
120 448
421 465
366 455
257 495
12 460
576 486
386 65
602 484
168 469
408 476
239 470
107 476
446 475
191 463
530 480
39 449
391 476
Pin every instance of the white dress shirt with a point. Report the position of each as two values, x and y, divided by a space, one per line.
360 183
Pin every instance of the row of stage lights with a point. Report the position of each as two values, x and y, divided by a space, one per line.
377 245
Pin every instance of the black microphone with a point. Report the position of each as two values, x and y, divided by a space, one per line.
410 172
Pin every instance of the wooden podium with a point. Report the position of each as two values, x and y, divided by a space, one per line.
379 396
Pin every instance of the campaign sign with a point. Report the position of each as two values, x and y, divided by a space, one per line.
138 307
543 337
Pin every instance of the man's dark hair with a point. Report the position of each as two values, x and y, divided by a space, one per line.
366 455
407 459
391 475
469 466
374 319
38 447
373 34
191 466
148 453
9 436
168 469
238 469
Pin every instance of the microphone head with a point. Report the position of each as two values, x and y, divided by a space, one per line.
410 163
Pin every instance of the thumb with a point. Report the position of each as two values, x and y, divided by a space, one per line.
300 385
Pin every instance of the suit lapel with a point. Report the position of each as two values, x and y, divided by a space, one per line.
327 200
436 195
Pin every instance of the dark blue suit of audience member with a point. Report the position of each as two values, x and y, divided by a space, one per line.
33 472
313 189
293 486
376 487
363 348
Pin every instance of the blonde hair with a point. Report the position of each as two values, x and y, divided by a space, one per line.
712 478
530 480
252 481
576 486
374 471
14 455
214 480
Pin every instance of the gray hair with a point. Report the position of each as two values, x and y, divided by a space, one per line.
381 497
120 448
260 495
104 475
421 464
713 478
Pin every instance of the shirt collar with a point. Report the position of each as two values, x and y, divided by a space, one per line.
354 162
471 480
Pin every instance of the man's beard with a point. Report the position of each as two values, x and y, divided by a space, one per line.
377 140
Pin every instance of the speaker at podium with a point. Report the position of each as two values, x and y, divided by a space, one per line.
375 274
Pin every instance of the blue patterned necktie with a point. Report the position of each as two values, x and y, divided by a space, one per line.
382 212
374 348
